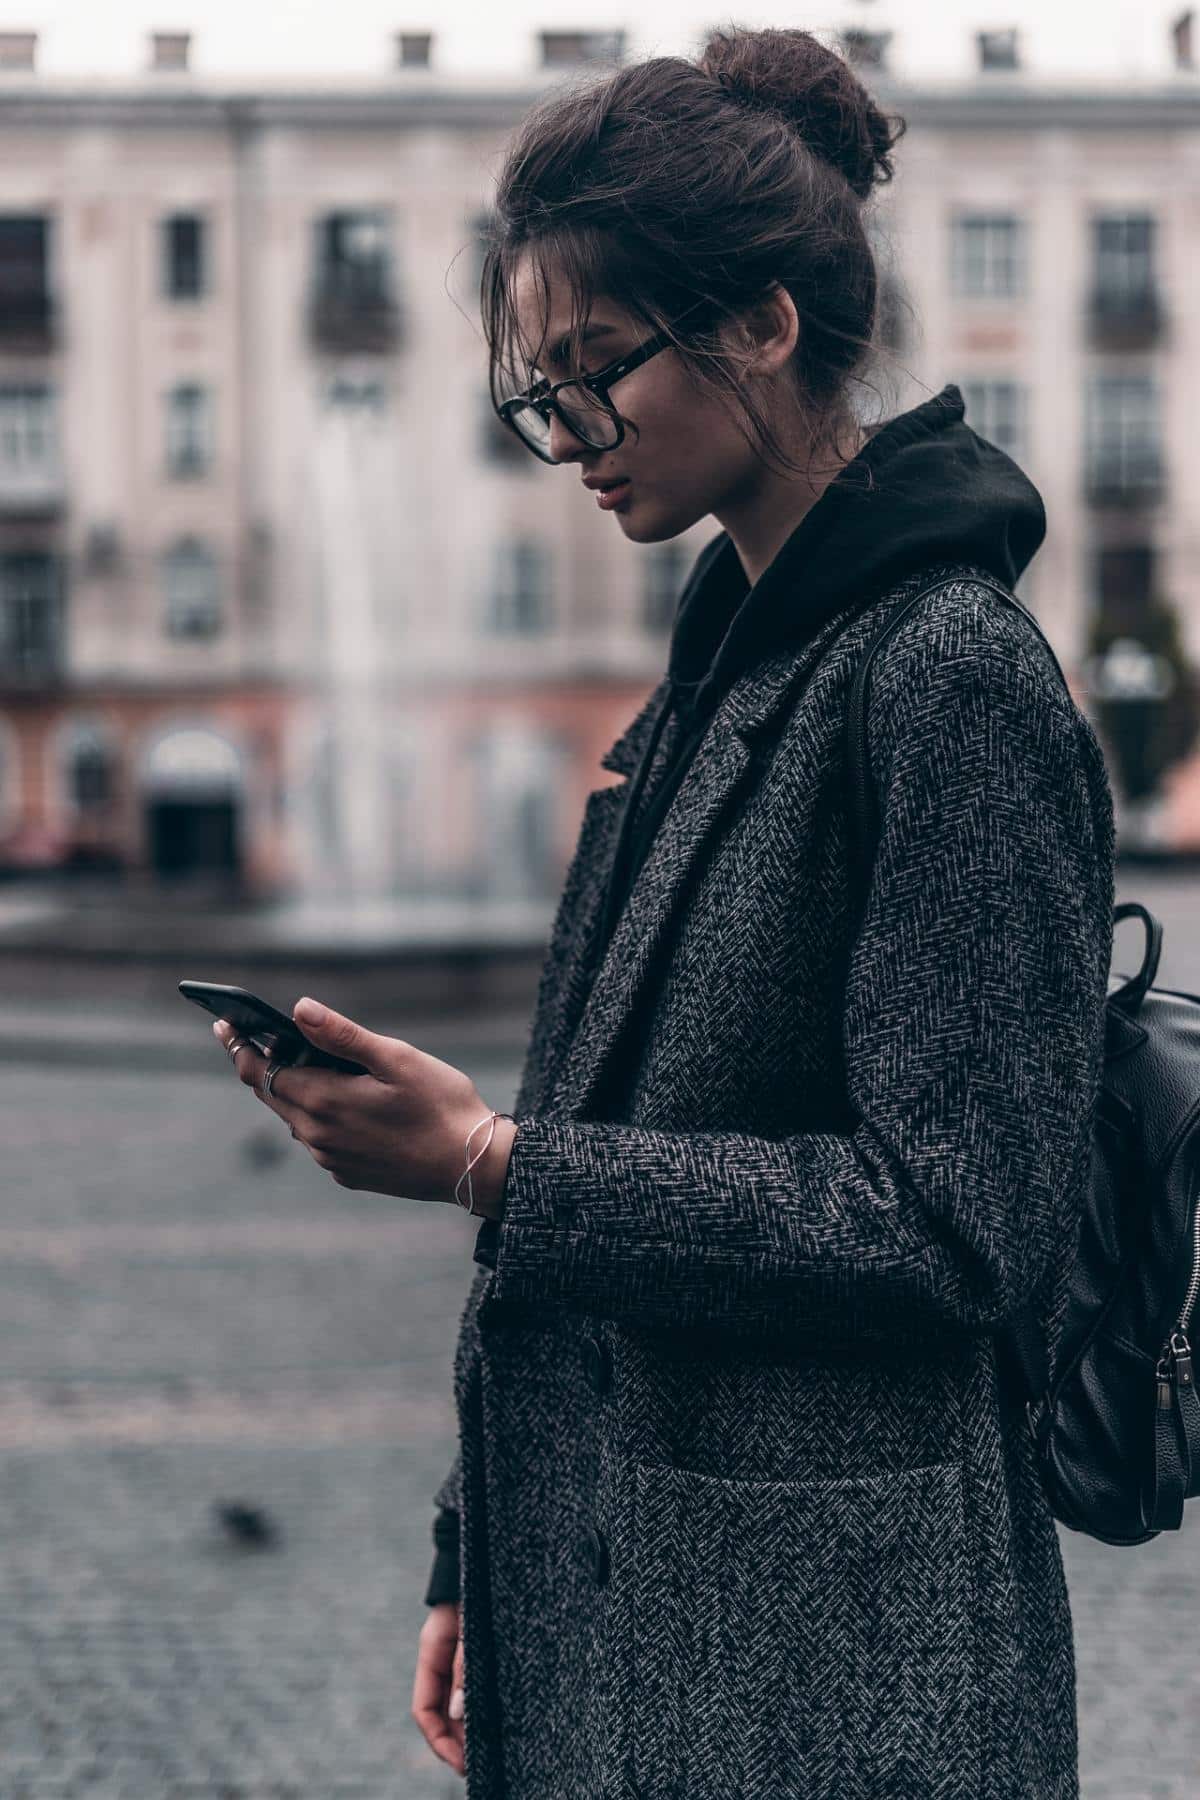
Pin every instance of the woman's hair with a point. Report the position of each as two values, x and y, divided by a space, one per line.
671 184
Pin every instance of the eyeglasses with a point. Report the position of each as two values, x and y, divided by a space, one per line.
581 403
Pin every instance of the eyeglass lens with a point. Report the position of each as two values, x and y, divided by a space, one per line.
584 413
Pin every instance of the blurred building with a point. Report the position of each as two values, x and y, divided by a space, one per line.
282 604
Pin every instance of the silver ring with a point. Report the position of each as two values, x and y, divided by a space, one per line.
270 1075
233 1046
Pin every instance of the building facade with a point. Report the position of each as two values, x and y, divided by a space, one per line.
283 606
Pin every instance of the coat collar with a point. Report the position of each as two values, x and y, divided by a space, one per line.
748 708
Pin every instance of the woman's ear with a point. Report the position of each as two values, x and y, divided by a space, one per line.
772 328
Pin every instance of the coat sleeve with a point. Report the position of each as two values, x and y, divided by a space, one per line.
443 1582
974 1018
448 1497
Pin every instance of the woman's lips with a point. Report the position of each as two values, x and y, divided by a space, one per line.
607 498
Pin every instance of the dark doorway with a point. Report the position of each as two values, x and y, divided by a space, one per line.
194 837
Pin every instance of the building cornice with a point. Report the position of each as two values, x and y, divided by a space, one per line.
990 105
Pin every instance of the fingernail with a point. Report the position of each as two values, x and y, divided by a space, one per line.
310 1012
456 1704
220 1027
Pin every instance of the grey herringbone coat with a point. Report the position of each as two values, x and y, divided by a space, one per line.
745 1512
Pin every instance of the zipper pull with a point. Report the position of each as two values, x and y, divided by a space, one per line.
1165 1383
1181 1351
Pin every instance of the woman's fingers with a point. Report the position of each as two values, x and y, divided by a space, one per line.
251 1069
438 1659
457 1693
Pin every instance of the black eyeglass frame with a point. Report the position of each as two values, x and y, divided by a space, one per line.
541 394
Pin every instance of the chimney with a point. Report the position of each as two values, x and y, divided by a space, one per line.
412 49
1181 38
170 50
17 49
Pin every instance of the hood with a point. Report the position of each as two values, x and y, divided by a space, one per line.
924 489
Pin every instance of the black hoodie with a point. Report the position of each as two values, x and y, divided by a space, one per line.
924 489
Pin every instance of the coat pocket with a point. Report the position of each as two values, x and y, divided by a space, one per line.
807 1639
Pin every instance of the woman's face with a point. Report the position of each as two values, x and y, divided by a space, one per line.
687 458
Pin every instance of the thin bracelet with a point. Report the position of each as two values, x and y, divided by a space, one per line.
472 1160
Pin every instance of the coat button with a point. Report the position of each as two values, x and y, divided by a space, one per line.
596 1364
595 1552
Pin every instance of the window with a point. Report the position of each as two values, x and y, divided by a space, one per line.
184 256
520 597
868 49
24 276
1124 580
560 48
353 254
189 430
518 780
353 308
412 49
28 444
996 410
1123 438
169 49
191 591
1123 257
88 766
18 49
997 49
30 614
663 573
988 256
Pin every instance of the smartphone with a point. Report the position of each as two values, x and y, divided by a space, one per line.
271 1032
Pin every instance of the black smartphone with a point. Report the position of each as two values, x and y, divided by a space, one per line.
271 1032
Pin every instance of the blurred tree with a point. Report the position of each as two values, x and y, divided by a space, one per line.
1146 692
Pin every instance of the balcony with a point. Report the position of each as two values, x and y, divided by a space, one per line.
32 492
1125 318
1125 482
353 312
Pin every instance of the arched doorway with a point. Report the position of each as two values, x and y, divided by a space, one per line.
193 788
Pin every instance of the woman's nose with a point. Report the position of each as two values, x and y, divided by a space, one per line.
563 442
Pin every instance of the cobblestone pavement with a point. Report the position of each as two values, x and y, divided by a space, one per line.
192 1313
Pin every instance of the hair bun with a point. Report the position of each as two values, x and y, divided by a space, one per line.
792 74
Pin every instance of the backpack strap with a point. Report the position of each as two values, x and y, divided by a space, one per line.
1021 1344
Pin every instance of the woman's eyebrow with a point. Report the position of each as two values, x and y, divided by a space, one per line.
557 356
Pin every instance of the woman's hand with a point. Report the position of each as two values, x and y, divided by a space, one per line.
437 1689
399 1129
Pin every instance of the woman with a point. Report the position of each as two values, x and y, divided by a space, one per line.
743 1509
746 1508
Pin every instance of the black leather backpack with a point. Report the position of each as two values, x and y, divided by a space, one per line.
1117 1430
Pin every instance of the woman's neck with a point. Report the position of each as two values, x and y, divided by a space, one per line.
761 520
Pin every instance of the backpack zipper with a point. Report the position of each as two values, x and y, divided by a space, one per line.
1175 1359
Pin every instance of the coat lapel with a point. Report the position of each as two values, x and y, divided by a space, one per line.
721 770
565 978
